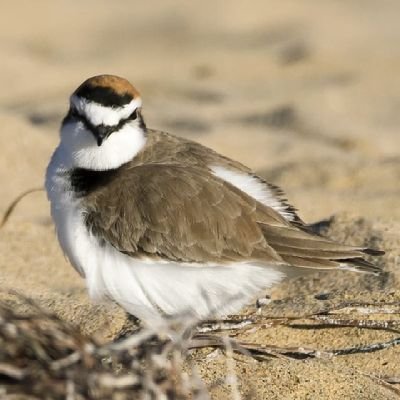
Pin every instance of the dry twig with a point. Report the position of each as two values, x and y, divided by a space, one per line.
11 207
39 354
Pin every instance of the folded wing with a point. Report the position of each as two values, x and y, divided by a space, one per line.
189 215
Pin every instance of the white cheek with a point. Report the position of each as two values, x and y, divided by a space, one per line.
80 149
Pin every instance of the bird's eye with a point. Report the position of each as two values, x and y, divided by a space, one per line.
74 113
133 115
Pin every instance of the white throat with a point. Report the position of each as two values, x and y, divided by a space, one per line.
78 147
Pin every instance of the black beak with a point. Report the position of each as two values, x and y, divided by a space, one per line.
102 132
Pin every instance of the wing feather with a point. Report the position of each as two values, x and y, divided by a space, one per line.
187 214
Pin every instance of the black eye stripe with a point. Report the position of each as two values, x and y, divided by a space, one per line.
74 114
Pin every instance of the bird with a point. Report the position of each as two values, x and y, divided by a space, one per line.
165 226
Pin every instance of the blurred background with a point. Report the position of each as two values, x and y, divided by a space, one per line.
305 92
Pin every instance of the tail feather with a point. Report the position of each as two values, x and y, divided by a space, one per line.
315 253
304 249
360 265
372 252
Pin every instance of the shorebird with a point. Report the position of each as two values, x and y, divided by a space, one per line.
164 225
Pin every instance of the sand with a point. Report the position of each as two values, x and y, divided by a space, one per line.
306 93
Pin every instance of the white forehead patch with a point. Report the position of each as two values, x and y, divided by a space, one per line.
98 114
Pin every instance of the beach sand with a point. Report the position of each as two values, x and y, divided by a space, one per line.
306 93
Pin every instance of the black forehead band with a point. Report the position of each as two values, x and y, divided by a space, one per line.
104 96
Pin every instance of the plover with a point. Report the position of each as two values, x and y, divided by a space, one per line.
164 225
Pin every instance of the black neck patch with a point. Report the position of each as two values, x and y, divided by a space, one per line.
104 96
84 181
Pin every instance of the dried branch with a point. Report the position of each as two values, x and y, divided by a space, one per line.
370 348
61 362
336 317
39 354
385 382
11 207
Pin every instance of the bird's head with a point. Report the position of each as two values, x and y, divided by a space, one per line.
104 127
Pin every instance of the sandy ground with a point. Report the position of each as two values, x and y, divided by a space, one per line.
305 92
